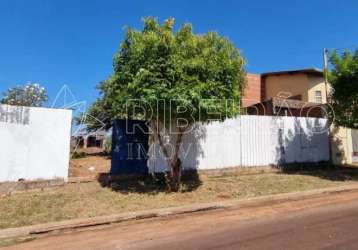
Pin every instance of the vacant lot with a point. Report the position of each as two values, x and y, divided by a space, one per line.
89 166
93 199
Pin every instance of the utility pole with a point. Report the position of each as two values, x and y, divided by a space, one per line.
325 71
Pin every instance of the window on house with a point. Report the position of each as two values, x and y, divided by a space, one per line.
318 96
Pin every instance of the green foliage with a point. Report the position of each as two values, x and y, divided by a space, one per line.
344 81
203 73
171 78
31 95
96 117
77 155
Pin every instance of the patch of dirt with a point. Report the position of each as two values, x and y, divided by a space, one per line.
89 166
90 150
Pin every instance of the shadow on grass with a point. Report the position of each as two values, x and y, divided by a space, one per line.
323 171
149 184
79 155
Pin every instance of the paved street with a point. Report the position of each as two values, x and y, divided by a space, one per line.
323 222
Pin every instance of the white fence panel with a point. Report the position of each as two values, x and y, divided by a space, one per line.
35 143
249 141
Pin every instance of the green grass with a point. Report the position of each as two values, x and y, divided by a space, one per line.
91 199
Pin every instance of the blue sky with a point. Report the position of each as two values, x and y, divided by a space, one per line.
56 42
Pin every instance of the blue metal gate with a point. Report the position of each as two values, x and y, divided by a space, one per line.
129 147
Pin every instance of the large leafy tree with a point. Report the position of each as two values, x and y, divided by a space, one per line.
30 94
344 82
173 79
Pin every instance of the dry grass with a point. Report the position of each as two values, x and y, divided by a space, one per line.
14 241
91 199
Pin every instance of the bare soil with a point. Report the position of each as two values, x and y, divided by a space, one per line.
91 165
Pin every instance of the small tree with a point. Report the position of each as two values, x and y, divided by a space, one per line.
177 78
344 81
31 95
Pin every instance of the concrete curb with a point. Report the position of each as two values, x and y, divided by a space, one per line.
12 187
164 212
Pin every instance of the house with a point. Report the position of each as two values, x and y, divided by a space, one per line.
300 93
84 139
288 93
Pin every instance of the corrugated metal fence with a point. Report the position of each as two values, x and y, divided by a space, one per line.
249 141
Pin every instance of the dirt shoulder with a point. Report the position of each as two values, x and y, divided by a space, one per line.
87 200
327 221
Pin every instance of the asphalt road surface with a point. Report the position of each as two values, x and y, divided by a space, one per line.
323 222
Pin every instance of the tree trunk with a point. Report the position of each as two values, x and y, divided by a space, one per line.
173 161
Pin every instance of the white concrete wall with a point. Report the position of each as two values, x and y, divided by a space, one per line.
249 141
34 143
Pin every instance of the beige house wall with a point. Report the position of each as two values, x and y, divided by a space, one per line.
295 84
316 83
341 144
292 85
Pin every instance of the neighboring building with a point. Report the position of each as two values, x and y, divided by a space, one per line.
301 93
344 146
254 91
278 106
288 93
306 85
85 139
